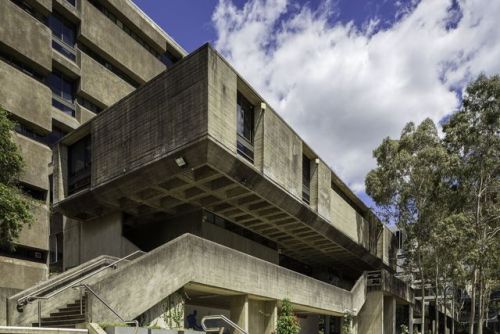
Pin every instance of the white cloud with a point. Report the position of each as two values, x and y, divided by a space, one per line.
344 89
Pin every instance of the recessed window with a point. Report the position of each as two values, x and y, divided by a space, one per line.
54 136
79 163
306 179
63 36
245 127
63 92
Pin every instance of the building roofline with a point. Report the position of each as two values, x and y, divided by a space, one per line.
169 38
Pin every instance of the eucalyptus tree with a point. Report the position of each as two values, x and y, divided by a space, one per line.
472 135
408 185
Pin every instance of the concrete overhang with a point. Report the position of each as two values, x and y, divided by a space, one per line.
218 181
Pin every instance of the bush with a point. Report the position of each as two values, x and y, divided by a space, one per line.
287 321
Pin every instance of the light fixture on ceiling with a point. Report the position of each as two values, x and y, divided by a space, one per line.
180 162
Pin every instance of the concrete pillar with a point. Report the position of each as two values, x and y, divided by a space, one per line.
271 310
410 319
389 315
370 319
239 311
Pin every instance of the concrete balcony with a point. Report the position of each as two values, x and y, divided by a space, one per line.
96 81
116 45
25 97
36 158
32 42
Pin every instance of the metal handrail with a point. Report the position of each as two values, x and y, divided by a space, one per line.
220 329
88 288
29 298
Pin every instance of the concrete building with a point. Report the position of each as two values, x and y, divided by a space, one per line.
61 63
175 157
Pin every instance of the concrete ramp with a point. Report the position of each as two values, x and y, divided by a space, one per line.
148 280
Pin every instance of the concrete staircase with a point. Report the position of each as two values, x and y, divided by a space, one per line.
66 317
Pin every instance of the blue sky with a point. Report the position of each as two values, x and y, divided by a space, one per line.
346 73
189 21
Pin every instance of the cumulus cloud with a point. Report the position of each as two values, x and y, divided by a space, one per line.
344 88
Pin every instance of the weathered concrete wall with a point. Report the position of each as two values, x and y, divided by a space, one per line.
140 22
165 114
99 83
32 41
24 96
36 235
370 320
4 294
114 42
20 274
282 154
389 315
103 236
36 158
222 90
323 206
262 316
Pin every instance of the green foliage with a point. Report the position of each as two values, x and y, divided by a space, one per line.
287 321
347 323
403 329
14 208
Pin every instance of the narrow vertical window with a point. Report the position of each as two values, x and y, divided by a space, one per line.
63 36
245 127
306 179
63 93
79 163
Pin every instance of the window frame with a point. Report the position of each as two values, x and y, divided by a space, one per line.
245 145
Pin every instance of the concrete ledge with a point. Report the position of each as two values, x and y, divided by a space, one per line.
44 330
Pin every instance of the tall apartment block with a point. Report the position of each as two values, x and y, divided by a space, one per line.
165 181
61 63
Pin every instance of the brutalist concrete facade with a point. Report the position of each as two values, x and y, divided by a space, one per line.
164 161
115 48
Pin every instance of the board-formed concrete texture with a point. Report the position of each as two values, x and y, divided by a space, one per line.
135 143
112 55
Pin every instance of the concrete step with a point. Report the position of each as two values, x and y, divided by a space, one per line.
70 312
64 317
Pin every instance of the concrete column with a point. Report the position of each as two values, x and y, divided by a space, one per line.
410 319
271 310
370 319
389 315
239 311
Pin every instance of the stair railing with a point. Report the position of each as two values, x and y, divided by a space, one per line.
33 296
89 289
220 330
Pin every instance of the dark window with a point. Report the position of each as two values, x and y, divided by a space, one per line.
35 193
89 105
108 65
30 10
245 127
27 132
79 163
62 92
63 36
71 2
21 66
54 136
306 178
168 58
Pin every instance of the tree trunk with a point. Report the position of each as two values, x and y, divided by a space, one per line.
482 307
445 291
453 312
472 317
436 303
422 307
